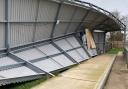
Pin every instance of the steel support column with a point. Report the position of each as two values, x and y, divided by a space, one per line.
125 37
7 24
104 44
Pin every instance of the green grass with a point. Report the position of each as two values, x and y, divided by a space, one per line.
114 50
25 85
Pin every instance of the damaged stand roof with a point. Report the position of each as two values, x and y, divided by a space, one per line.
39 37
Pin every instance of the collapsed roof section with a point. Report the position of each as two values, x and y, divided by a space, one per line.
38 37
96 17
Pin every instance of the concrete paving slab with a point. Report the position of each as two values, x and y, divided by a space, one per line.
87 75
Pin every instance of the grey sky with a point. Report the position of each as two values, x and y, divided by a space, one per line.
111 5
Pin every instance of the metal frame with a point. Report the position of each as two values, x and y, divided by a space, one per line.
49 57
33 67
93 21
68 56
22 62
102 11
29 64
61 21
85 16
12 66
73 2
101 23
6 27
82 46
43 58
73 47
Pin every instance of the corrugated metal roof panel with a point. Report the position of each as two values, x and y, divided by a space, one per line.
82 52
60 29
2 35
20 33
47 65
30 54
43 31
63 60
22 10
17 72
66 12
75 56
2 9
49 49
6 61
47 10
73 42
63 44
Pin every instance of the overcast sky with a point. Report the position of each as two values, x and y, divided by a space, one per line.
111 5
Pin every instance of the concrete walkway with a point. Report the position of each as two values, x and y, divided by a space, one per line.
87 75
118 78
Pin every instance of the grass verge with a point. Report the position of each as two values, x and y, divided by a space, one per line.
114 50
24 85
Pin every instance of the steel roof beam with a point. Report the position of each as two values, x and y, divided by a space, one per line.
85 16
67 55
93 21
61 21
38 42
49 56
2 68
30 65
104 11
73 47
102 22
44 58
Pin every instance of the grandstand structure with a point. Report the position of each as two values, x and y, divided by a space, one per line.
40 37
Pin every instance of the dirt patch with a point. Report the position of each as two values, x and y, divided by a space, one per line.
118 78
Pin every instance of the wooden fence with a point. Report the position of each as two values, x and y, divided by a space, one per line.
117 44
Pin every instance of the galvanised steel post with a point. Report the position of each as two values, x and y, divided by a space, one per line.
7 25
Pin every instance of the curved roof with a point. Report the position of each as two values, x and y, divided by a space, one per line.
90 16
39 36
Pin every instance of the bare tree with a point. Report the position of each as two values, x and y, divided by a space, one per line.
118 35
